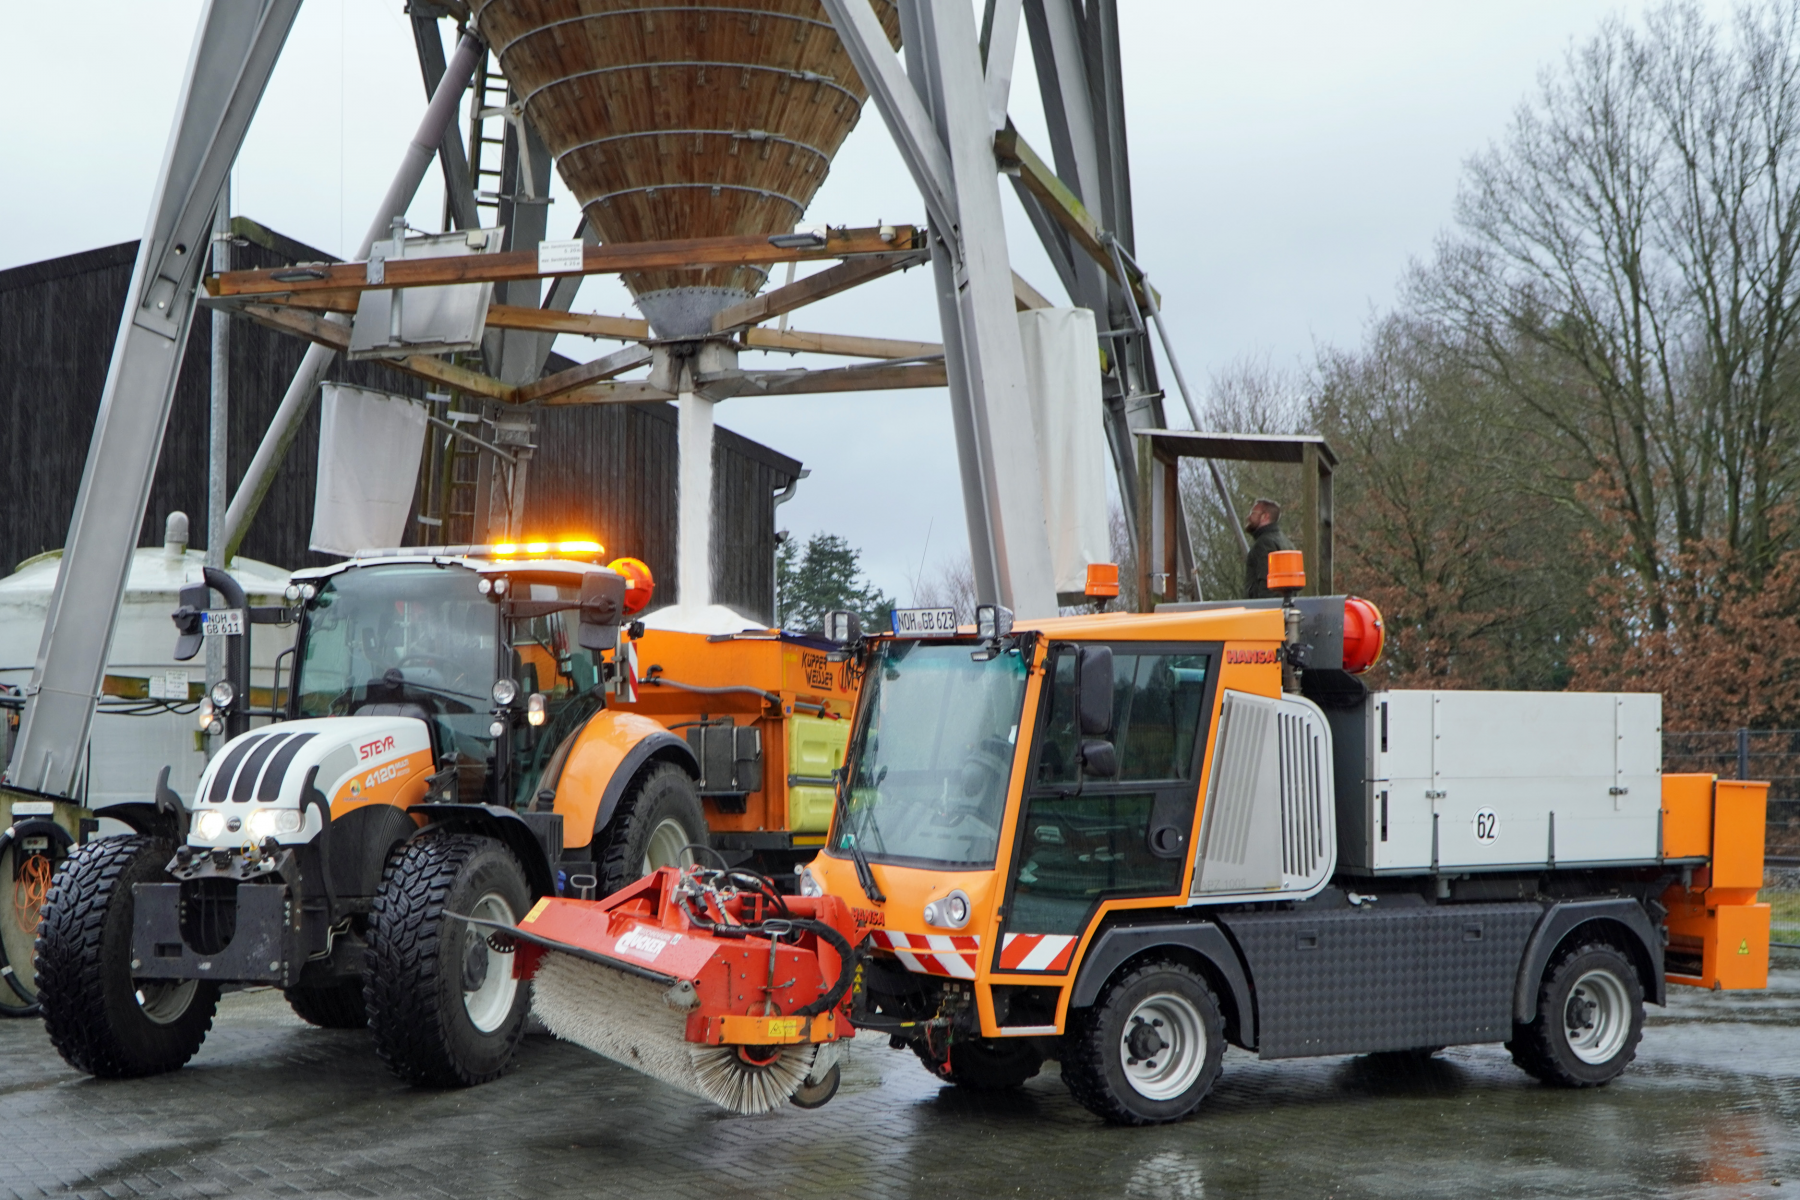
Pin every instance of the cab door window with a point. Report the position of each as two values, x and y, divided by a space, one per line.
1084 838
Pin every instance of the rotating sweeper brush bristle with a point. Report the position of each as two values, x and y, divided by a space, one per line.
708 980
630 1021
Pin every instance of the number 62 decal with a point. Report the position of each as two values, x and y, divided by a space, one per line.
1487 825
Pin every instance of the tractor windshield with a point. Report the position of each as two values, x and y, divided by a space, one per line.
932 754
401 634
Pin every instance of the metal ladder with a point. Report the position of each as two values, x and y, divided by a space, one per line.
487 137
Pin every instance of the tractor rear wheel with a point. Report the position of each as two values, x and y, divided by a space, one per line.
336 1005
99 1018
658 818
440 993
984 1064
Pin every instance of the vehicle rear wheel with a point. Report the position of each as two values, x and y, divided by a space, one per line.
441 997
656 820
984 1064
1149 1049
336 1005
1590 1018
99 1018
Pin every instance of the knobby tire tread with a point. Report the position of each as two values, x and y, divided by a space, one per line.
404 945
71 967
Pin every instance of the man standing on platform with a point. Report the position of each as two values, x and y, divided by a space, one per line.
1264 525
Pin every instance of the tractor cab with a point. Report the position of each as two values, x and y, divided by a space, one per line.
488 651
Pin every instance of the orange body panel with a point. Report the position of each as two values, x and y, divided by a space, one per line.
1740 810
804 679
1732 938
1687 816
600 746
400 783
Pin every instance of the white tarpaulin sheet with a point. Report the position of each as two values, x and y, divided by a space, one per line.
1062 373
369 448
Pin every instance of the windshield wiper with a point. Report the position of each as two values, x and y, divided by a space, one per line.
864 874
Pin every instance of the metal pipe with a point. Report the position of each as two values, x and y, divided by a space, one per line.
218 416
285 425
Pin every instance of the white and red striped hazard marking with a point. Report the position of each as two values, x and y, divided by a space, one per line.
1036 952
931 954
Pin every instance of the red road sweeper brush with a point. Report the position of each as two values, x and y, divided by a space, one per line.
710 980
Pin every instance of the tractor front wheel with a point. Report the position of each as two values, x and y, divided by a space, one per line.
440 993
99 1018
1149 1049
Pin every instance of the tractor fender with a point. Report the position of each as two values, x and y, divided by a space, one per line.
1115 945
1641 941
606 756
503 825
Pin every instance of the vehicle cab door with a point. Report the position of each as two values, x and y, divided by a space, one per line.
1084 836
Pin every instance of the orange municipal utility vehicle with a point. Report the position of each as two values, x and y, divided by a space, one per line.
463 729
1126 841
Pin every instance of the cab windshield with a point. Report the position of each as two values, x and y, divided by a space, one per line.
400 634
932 754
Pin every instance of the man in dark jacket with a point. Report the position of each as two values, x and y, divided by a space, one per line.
1264 525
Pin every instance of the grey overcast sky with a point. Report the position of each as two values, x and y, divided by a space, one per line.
1288 160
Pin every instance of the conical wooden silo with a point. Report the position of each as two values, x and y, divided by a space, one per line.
683 120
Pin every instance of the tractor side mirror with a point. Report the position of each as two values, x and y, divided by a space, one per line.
1099 758
196 598
602 610
1094 691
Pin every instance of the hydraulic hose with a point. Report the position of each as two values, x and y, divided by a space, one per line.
8 839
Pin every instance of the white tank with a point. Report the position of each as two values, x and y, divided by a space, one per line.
126 752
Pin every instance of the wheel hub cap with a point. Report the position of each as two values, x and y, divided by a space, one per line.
1163 1046
1597 1017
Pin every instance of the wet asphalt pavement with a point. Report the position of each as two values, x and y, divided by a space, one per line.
272 1107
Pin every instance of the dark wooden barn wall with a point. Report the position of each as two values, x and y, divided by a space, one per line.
608 470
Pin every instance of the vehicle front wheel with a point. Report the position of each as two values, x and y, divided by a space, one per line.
984 1064
1590 1018
440 993
1149 1049
99 1018
656 822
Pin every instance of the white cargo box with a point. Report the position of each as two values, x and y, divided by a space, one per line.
1487 781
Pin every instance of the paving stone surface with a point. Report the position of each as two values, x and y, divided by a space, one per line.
272 1107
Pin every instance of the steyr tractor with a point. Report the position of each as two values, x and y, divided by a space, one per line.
464 731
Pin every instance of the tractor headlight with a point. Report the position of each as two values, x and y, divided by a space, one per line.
949 912
535 711
223 693
209 825
267 822
204 716
808 885
504 692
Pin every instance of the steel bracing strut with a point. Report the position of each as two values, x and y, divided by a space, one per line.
229 67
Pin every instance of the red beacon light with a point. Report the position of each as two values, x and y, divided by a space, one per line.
640 585
1363 635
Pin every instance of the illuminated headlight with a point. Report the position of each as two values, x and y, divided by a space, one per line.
808 885
292 592
534 708
204 717
948 912
223 693
209 825
267 822
504 692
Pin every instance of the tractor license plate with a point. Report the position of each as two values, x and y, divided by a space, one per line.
924 622
224 622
